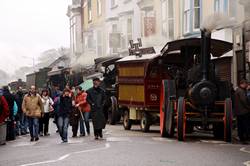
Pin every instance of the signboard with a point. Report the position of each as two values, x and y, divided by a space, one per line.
149 26
115 40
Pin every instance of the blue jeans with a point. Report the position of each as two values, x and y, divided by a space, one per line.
33 127
63 124
84 120
24 124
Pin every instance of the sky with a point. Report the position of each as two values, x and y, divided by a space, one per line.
29 27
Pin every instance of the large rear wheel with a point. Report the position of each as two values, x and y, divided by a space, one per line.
170 119
163 112
127 123
228 120
113 111
167 108
181 120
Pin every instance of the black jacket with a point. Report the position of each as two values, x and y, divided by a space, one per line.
242 106
65 106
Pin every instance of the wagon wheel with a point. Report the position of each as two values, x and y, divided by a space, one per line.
145 122
113 111
170 119
162 112
127 123
228 120
181 120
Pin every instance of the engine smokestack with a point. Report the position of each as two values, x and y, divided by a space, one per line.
205 53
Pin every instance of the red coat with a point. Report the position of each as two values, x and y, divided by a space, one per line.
5 109
81 99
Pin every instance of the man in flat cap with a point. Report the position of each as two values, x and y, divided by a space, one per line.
96 98
242 111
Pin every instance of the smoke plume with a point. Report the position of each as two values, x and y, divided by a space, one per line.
217 21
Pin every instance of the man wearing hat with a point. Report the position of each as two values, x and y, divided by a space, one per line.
96 98
242 110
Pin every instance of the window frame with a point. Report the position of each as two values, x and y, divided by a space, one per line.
89 10
193 15
166 19
187 17
99 7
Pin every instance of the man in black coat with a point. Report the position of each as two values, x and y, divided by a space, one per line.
96 98
64 114
242 110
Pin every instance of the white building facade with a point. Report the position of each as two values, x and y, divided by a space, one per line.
75 20
123 23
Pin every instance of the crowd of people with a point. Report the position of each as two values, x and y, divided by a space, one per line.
31 112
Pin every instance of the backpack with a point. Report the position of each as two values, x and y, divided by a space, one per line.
15 109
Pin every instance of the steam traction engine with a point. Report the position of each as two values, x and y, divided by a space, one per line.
196 97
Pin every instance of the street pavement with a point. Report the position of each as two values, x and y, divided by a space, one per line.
123 148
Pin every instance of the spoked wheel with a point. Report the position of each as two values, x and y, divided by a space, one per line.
228 120
145 122
181 119
170 119
127 123
162 112
113 111
167 108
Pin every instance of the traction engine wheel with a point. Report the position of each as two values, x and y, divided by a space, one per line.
181 119
145 122
228 120
127 123
113 111
162 112
170 119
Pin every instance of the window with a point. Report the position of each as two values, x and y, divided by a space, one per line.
91 42
217 5
196 14
168 19
129 29
192 15
222 5
149 23
114 28
232 9
99 44
99 7
89 11
187 16
113 3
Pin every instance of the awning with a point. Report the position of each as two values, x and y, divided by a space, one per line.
58 71
106 60
218 47
99 75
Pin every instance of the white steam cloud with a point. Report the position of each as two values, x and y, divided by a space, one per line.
217 21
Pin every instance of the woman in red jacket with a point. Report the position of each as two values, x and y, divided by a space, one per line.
84 108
